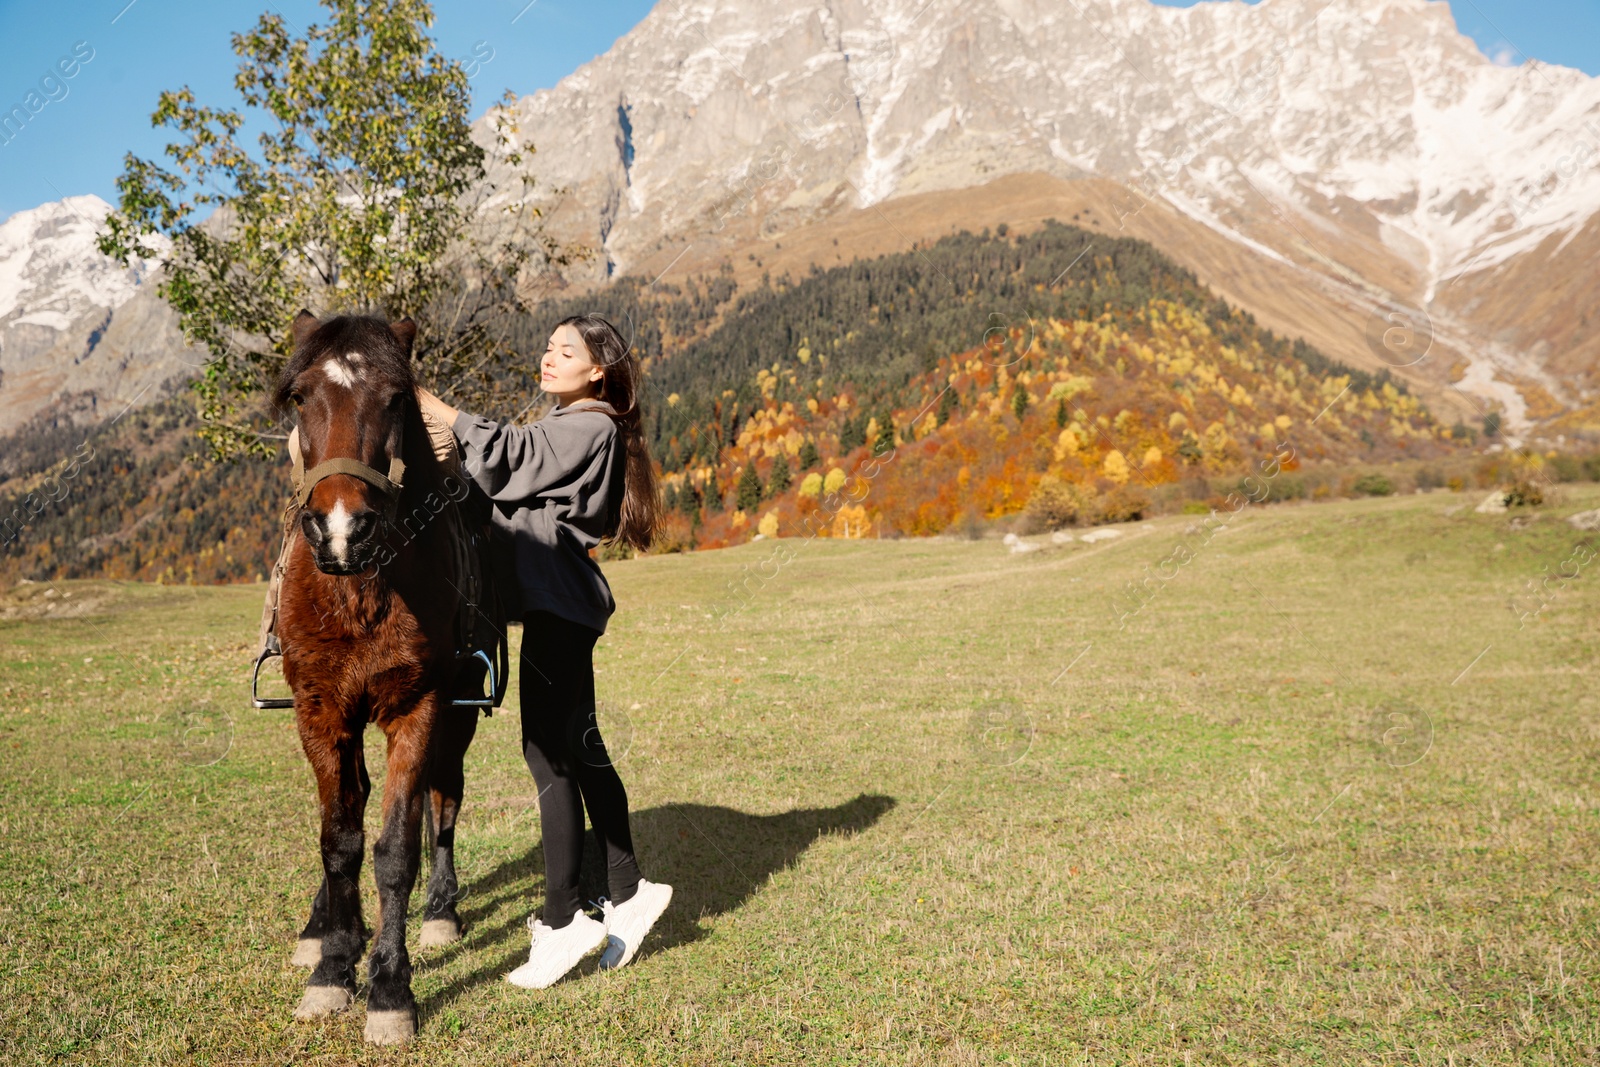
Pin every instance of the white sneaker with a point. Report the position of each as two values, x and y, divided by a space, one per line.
555 952
628 922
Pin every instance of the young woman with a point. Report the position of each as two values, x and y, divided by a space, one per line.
579 475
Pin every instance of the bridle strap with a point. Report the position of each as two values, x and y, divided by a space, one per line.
389 485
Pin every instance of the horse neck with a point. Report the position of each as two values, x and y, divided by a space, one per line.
419 515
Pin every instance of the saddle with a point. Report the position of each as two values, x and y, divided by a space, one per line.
482 648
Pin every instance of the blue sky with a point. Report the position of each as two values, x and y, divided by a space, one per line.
76 142
1566 32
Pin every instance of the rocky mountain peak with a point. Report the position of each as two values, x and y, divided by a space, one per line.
1368 144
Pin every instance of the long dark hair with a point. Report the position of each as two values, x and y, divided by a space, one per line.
636 518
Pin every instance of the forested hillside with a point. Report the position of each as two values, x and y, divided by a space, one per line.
129 501
950 385
980 368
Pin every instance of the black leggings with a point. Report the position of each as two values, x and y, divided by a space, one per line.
562 744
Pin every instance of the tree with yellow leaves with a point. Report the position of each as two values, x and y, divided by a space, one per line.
1067 444
1116 467
851 521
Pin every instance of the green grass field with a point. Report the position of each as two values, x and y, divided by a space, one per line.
1324 799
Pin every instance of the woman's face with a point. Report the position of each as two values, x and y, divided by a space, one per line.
568 372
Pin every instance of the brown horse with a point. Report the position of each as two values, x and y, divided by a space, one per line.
369 634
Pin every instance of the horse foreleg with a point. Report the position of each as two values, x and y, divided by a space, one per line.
391 1009
441 924
308 951
335 925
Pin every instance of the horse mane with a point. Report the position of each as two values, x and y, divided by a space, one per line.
387 358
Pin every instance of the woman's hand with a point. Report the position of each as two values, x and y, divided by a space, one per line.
432 405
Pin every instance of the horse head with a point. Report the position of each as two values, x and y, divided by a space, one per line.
351 384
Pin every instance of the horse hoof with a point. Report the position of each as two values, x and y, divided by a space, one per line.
390 1027
436 932
321 1000
308 953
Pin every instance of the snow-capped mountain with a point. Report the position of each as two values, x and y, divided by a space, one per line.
1366 147
1317 161
75 323
50 270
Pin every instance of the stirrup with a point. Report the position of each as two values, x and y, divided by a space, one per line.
498 668
492 700
270 650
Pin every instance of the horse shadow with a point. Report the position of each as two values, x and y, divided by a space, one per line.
714 857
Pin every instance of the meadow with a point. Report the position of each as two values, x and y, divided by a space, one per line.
1319 789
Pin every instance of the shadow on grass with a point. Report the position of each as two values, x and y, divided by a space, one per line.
715 858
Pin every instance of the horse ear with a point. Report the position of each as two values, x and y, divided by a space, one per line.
304 323
405 331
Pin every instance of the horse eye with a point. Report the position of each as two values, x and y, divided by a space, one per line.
296 399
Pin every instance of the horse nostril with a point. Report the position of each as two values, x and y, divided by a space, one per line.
312 529
362 526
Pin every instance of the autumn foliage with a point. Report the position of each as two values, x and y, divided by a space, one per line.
1111 408
885 397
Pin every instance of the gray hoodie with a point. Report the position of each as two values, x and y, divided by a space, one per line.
553 484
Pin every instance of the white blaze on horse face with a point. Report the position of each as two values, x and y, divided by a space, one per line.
339 531
338 373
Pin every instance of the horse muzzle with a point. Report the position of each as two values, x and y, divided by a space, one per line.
342 542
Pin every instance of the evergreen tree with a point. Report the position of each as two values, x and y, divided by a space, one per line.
1061 414
749 488
947 405
885 441
689 501
778 480
713 495
853 434
809 457
1019 402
